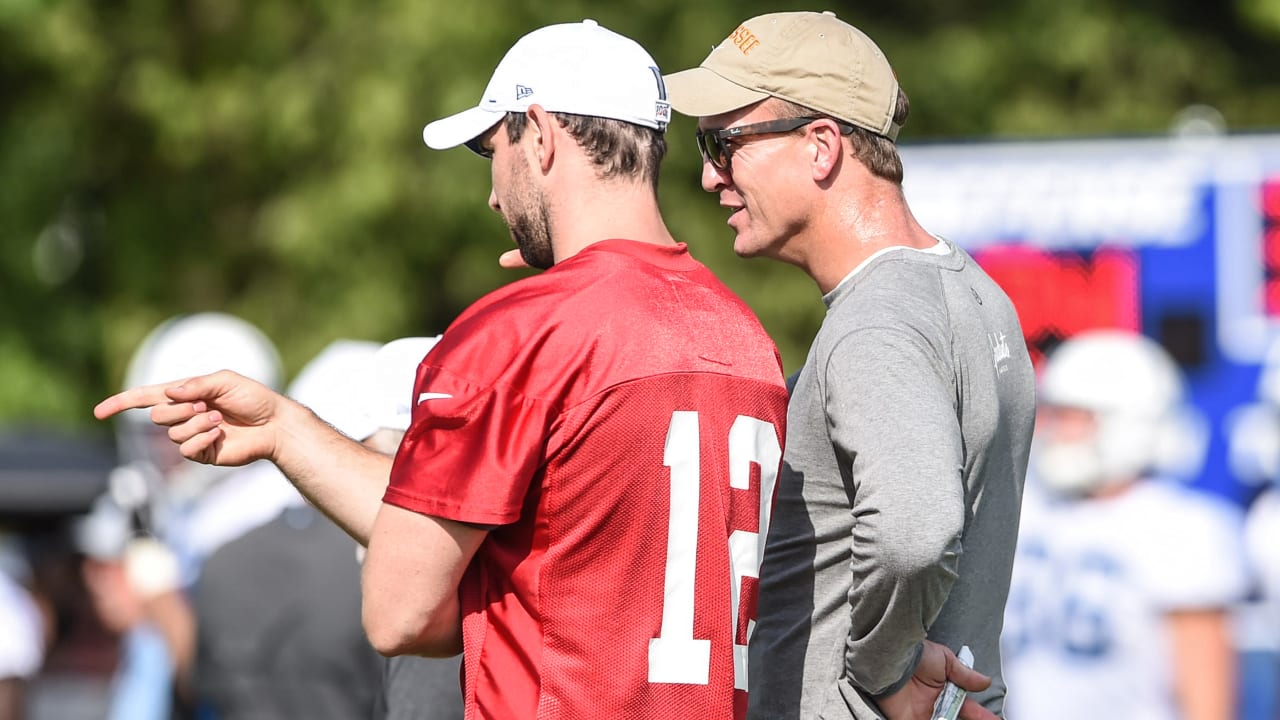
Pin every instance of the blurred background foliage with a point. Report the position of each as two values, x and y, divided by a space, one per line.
264 158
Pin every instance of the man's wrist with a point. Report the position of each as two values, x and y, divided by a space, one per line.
296 433
916 654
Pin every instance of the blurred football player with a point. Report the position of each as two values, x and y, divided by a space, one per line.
1255 457
1253 432
23 629
144 543
196 508
278 608
1124 576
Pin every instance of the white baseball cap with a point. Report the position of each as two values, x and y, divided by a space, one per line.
576 68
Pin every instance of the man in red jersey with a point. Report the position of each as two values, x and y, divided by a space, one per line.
582 497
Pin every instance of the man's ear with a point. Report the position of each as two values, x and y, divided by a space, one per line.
544 128
826 146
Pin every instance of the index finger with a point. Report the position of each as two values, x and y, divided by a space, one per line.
144 396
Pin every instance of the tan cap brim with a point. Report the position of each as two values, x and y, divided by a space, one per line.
699 92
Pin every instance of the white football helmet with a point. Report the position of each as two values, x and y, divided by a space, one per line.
336 385
396 370
179 348
1141 421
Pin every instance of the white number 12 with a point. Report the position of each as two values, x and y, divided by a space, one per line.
675 656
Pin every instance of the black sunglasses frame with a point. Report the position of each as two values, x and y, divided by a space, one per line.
714 149
474 146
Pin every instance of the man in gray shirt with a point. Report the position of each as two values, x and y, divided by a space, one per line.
909 426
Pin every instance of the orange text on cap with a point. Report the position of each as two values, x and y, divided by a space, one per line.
744 39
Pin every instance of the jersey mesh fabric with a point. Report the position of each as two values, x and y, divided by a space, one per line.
551 410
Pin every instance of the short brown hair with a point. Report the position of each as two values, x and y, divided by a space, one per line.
878 153
617 148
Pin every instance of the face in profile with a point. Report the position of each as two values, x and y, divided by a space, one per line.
517 198
528 217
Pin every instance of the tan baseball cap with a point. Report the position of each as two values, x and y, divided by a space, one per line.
813 59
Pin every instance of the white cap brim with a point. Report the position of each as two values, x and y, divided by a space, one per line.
461 127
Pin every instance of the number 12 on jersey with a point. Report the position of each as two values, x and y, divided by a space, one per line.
676 656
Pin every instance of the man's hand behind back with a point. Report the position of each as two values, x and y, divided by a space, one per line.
937 665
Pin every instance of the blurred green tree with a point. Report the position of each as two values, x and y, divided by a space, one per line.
264 158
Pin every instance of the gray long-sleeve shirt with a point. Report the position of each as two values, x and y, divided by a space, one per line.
897 508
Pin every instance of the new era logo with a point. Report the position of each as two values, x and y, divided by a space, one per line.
523 92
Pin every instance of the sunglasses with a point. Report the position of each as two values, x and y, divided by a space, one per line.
477 146
715 150
482 144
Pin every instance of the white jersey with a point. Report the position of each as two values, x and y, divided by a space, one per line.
1085 633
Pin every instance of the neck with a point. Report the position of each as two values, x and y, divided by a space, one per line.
603 209
852 226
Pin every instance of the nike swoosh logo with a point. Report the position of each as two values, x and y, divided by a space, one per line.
423 397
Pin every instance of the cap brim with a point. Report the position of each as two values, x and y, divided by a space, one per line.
699 92
459 128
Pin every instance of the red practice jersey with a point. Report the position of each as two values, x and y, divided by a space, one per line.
618 421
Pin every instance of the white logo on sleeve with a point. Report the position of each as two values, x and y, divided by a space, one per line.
423 397
999 351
